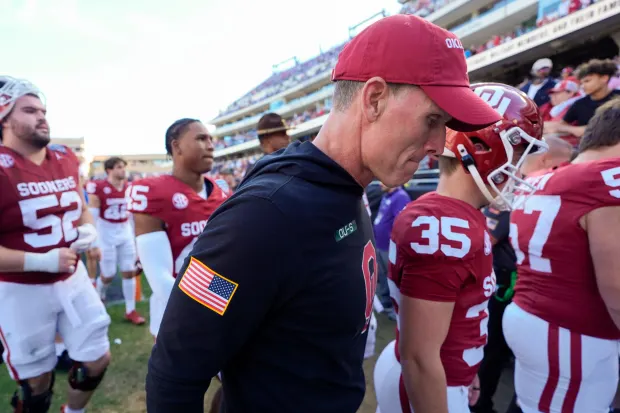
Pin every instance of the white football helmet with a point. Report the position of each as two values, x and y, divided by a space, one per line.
12 89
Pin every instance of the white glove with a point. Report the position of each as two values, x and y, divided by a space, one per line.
87 235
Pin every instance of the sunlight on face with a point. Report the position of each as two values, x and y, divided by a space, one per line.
197 148
410 127
28 121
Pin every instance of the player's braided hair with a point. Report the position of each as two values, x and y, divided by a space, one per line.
175 130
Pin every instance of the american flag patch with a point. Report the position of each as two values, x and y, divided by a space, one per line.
207 287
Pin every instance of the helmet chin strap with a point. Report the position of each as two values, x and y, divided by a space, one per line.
471 167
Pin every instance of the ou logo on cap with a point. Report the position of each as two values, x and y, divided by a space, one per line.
179 201
453 43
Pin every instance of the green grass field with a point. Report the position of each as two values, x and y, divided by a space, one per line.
122 390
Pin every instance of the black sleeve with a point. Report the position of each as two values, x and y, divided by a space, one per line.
572 114
243 245
498 223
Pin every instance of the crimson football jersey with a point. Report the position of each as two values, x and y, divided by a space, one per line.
40 206
183 211
441 251
113 204
556 279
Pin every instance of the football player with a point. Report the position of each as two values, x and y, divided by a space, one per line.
44 287
170 211
108 205
441 274
563 324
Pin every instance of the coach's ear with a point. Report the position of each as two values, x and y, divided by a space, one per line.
374 95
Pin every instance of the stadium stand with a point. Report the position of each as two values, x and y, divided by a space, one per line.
501 39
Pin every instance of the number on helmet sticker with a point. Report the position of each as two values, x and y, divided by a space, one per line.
444 226
49 230
494 97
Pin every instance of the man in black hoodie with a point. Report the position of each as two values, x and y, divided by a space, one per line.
277 293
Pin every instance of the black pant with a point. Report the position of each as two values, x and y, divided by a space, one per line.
496 355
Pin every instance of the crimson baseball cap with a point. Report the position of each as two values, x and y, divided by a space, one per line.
407 49
565 86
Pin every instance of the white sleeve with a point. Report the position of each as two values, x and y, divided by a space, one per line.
155 255
94 212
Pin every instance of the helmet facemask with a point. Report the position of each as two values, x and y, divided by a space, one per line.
509 174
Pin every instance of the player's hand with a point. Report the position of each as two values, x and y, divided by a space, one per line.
474 391
94 254
87 235
67 260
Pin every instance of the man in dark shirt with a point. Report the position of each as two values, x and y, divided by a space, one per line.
277 293
594 77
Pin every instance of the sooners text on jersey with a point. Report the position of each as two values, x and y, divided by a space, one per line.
113 204
182 210
556 279
441 251
40 206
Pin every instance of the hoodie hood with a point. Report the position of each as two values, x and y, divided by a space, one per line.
304 161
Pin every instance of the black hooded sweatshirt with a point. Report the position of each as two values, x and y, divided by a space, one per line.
276 294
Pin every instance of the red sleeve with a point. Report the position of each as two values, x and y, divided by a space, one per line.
435 280
144 197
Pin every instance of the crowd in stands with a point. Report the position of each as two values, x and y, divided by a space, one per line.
288 78
298 118
556 96
569 101
281 81
423 8
565 8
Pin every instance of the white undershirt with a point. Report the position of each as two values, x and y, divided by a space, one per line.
203 192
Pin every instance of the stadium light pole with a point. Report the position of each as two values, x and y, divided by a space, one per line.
366 22
277 65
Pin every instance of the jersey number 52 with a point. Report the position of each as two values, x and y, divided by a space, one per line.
53 228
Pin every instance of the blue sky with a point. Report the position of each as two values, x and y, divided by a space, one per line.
118 72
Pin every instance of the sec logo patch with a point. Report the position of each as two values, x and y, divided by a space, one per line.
180 201
6 161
